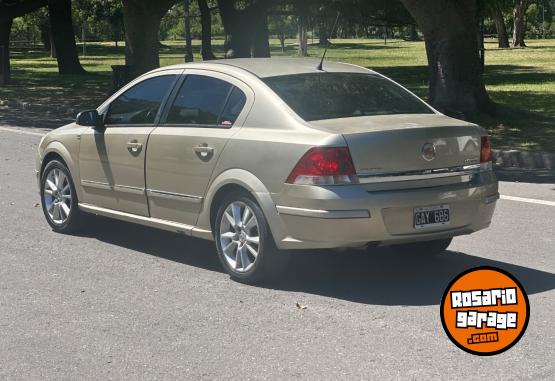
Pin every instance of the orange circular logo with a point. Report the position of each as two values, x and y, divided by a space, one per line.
485 311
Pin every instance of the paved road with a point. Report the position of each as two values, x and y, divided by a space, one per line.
123 301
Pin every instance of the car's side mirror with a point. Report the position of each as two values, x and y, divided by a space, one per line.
90 118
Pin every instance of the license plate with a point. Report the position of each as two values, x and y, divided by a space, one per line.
430 216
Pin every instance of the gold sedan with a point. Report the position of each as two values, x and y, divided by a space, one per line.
265 156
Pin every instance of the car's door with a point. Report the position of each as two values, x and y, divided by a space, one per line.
112 162
206 110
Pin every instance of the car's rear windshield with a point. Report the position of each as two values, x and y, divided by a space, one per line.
318 96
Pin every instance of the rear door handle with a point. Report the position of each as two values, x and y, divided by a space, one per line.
203 150
134 146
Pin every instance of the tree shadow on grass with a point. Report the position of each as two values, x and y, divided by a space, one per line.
530 128
512 74
380 276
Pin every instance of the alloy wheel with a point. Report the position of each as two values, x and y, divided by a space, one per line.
57 196
239 236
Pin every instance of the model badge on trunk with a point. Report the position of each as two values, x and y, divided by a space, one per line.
429 152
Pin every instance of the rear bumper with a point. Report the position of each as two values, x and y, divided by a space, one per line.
348 216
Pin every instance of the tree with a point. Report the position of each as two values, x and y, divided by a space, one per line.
246 29
519 23
142 24
5 72
10 9
500 26
495 9
302 9
101 18
206 25
188 45
282 26
63 36
450 28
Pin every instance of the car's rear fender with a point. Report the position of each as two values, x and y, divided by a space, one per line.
251 184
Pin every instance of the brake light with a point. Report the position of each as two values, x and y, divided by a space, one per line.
486 154
324 166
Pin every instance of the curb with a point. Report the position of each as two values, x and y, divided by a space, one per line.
523 159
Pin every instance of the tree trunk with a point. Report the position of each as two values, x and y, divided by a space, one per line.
450 28
323 33
9 11
63 34
52 45
246 30
519 13
206 25
188 46
481 45
413 33
502 35
261 38
5 71
45 35
302 26
142 26
238 39
281 37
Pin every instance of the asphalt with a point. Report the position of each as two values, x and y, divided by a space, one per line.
120 301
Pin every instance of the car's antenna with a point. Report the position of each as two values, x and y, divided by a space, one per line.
320 65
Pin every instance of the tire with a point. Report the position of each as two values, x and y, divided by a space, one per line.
427 248
237 231
59 199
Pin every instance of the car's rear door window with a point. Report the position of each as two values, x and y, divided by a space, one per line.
206 101
141 103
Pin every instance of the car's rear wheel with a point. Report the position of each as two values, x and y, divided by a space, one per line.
59 199
428 248
245 245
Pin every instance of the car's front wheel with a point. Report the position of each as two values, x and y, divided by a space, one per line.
59 199
427 248
245 245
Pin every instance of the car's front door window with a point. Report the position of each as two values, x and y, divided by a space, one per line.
140 104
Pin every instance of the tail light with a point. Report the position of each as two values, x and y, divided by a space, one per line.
486 154
324 166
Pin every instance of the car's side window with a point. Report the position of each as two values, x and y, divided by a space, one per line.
233 107
206 101
140 104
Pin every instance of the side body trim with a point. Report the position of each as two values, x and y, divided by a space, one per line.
106 186
174 196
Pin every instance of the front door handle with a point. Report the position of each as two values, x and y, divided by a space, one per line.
134 146
203 150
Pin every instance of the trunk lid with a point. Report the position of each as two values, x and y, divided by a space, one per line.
407 144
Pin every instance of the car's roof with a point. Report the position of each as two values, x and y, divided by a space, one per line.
271 67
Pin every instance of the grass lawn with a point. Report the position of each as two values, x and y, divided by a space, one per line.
517 79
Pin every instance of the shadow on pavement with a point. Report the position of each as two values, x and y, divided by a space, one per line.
378 276
523 175
32 119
